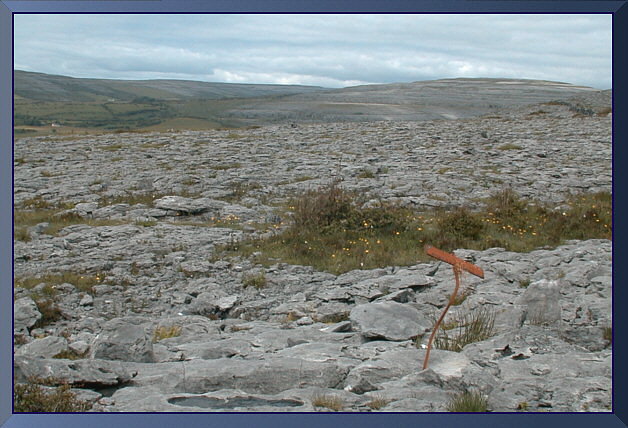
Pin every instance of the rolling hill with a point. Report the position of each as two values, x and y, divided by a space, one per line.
42 99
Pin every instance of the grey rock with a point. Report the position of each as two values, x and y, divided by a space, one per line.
542 302
187 206
125 341
25 315
96 373
86 300
388 320
46 347
268 376
214 349
80 347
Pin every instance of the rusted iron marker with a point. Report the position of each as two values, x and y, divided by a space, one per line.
458 265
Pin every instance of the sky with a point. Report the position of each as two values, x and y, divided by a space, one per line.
323 50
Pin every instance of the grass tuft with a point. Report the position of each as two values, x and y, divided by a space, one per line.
377 403
468 402
332 402
166 332
257 280
468 327
607 334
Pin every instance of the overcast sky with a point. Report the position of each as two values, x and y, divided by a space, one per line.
324 50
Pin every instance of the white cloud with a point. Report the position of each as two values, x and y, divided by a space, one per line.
325 50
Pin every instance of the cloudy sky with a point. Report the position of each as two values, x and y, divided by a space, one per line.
324 50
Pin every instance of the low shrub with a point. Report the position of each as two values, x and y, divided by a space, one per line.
34 397
332 230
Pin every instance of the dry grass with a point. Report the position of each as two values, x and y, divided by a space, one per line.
34 397
166 332
377 403
329 401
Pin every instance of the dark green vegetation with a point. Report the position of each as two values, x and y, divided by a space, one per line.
36 396
468 402
332 231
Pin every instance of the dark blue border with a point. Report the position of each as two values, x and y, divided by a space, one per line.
620 31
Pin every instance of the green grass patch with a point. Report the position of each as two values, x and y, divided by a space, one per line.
510 146
366 174
82 281
227 166
146 223
56 219
330 231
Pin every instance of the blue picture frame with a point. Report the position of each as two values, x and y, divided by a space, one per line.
8 8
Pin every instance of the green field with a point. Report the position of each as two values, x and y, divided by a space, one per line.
111 116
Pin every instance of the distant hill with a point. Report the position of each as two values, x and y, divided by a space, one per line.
48 87
41 99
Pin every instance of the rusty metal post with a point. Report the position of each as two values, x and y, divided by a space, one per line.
458 266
